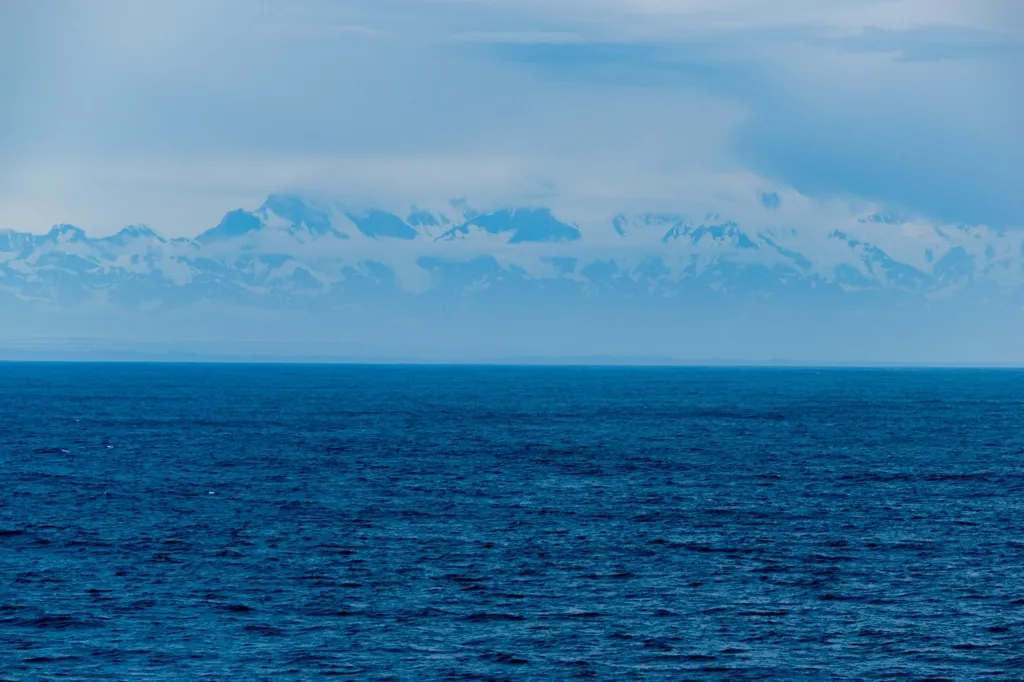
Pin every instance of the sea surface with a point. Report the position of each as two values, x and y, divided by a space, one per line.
250 522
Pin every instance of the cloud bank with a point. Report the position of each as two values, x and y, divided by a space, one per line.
165 113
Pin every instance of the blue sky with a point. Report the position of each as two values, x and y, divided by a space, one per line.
119 111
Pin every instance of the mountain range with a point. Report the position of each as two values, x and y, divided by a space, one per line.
298 268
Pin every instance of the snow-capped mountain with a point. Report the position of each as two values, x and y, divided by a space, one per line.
339 261
295 248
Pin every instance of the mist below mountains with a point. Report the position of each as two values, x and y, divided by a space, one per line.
305 279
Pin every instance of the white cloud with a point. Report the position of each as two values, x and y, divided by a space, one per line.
521 37
174 112
663 19
180 197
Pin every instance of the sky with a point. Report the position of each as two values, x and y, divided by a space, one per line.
171 113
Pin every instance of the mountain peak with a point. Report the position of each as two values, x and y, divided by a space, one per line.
137 232
66 233
535 225
234 224
378 224
298 211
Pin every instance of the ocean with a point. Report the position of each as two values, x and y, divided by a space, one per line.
249 522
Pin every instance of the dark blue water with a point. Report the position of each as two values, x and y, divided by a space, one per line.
264 522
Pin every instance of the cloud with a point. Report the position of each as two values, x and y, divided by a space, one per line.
520 38
935 44
673 19
920 114
184 107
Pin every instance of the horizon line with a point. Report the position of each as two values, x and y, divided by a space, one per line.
536 363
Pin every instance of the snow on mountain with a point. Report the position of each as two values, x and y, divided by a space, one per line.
295 251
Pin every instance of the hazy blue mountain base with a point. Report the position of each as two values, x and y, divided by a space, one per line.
305 279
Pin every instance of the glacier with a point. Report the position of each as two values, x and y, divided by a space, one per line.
451 282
